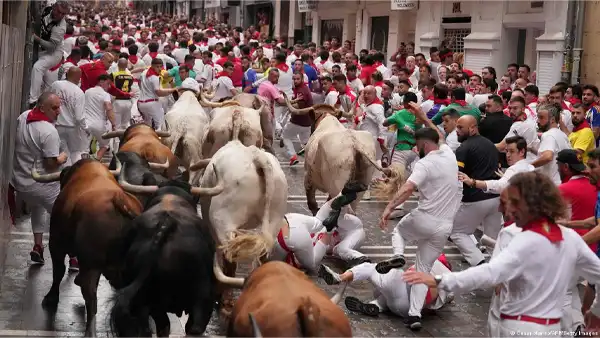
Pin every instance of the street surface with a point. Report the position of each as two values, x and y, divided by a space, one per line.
23 286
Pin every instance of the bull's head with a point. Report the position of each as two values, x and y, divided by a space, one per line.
136 128
204 102
65 174
317 112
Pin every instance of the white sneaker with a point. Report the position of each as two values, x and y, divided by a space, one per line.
367 195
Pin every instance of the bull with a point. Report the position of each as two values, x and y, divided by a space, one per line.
187 122
247 216
266 121
335 155
306 310
90 219
226 117
145 141
168 267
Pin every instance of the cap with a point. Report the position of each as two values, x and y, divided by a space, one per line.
191 84
572 158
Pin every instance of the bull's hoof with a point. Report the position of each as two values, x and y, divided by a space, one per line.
193 330
224 317
50 301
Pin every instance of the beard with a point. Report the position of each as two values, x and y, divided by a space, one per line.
462 138
544 128
422 153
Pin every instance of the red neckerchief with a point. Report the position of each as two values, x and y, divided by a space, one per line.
507 223
582 125
36 115
430 98
283 67
461 103
520 118
322 62
500 91
564 106
546 228
268 46
60 63
534 100
151 72
69 59
332 89
471 90
222 73
210 63
574 100
68 36
140 40
350 79
375 101
378 84
377 64
153 55
445 102
133 59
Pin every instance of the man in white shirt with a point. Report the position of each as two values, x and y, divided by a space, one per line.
522 126
148 105
223 84
449 118
180 52
552 141
71 124
37 140
153 47
543 257
206 74
436 177
98 109
370 117
71 61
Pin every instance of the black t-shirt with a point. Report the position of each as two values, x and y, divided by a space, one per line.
478 158
494 127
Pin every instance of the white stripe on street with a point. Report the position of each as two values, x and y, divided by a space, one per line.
412 255
39 333
363 201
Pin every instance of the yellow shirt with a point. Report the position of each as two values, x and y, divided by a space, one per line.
165 79
584 140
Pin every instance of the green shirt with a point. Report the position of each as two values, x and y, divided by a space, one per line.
403 120
174 73
466 110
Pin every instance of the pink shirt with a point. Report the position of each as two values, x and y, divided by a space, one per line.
270 92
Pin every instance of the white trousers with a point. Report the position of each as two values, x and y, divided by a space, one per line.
40 198
41 66
153 113
122 110
282 115
431 234
393 293
469 216
292 132
348 237
76 141
516 328
405 158
97 129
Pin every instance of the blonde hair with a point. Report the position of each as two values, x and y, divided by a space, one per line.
386 189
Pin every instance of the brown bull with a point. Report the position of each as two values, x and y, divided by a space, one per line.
145 141
90 219
284 302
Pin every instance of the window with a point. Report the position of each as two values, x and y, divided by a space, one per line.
456 35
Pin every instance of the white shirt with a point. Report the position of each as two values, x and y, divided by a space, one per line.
206 73
223 86
436 177
496 186
286 82
179 55
566 119
94 111
34 141
64 68
426 106
68 45
452 140
356 85
148 86
373 120
527 130
469 98
528 266
164 57
72 101
480 99
385 71
553 140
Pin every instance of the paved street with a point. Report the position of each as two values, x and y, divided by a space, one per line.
23 286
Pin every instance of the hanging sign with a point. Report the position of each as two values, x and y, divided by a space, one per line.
305 6
404 5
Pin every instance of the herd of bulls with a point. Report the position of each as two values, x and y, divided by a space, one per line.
136 221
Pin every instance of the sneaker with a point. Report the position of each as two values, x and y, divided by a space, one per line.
37 254
354 304
367 195
354 187
359 260
73 264
301 152
413 323
294 160
329 276
281 143
387 265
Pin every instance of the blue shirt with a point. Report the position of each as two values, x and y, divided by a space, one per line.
593 118
97 56
597 216
311 73
249 79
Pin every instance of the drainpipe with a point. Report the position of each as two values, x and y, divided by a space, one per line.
578 44
568 44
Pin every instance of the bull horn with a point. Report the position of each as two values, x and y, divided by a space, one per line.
163 166
255 329
43 178
161 133
200 165
210 191
117 171
338 296
136 189
294 110
113 134
208 95
206 103
235 282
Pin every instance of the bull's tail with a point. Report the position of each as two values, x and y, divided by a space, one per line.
252 245
236 122
308 319
128 317
358 147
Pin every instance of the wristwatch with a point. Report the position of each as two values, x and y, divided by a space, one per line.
438 279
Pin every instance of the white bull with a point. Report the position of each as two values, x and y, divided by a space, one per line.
187 122
222 124
247 216
335 155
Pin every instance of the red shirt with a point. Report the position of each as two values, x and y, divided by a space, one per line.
366 72
89 78
581 196
238 74
221 61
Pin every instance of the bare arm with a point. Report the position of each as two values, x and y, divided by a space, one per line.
110 114
544 158
53 163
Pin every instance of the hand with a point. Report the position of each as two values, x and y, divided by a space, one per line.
415 277
113 127
384 149
499 172
497 289
35 37
463 177
383 219
414 108
592 323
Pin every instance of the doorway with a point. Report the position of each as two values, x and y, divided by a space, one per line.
380 27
